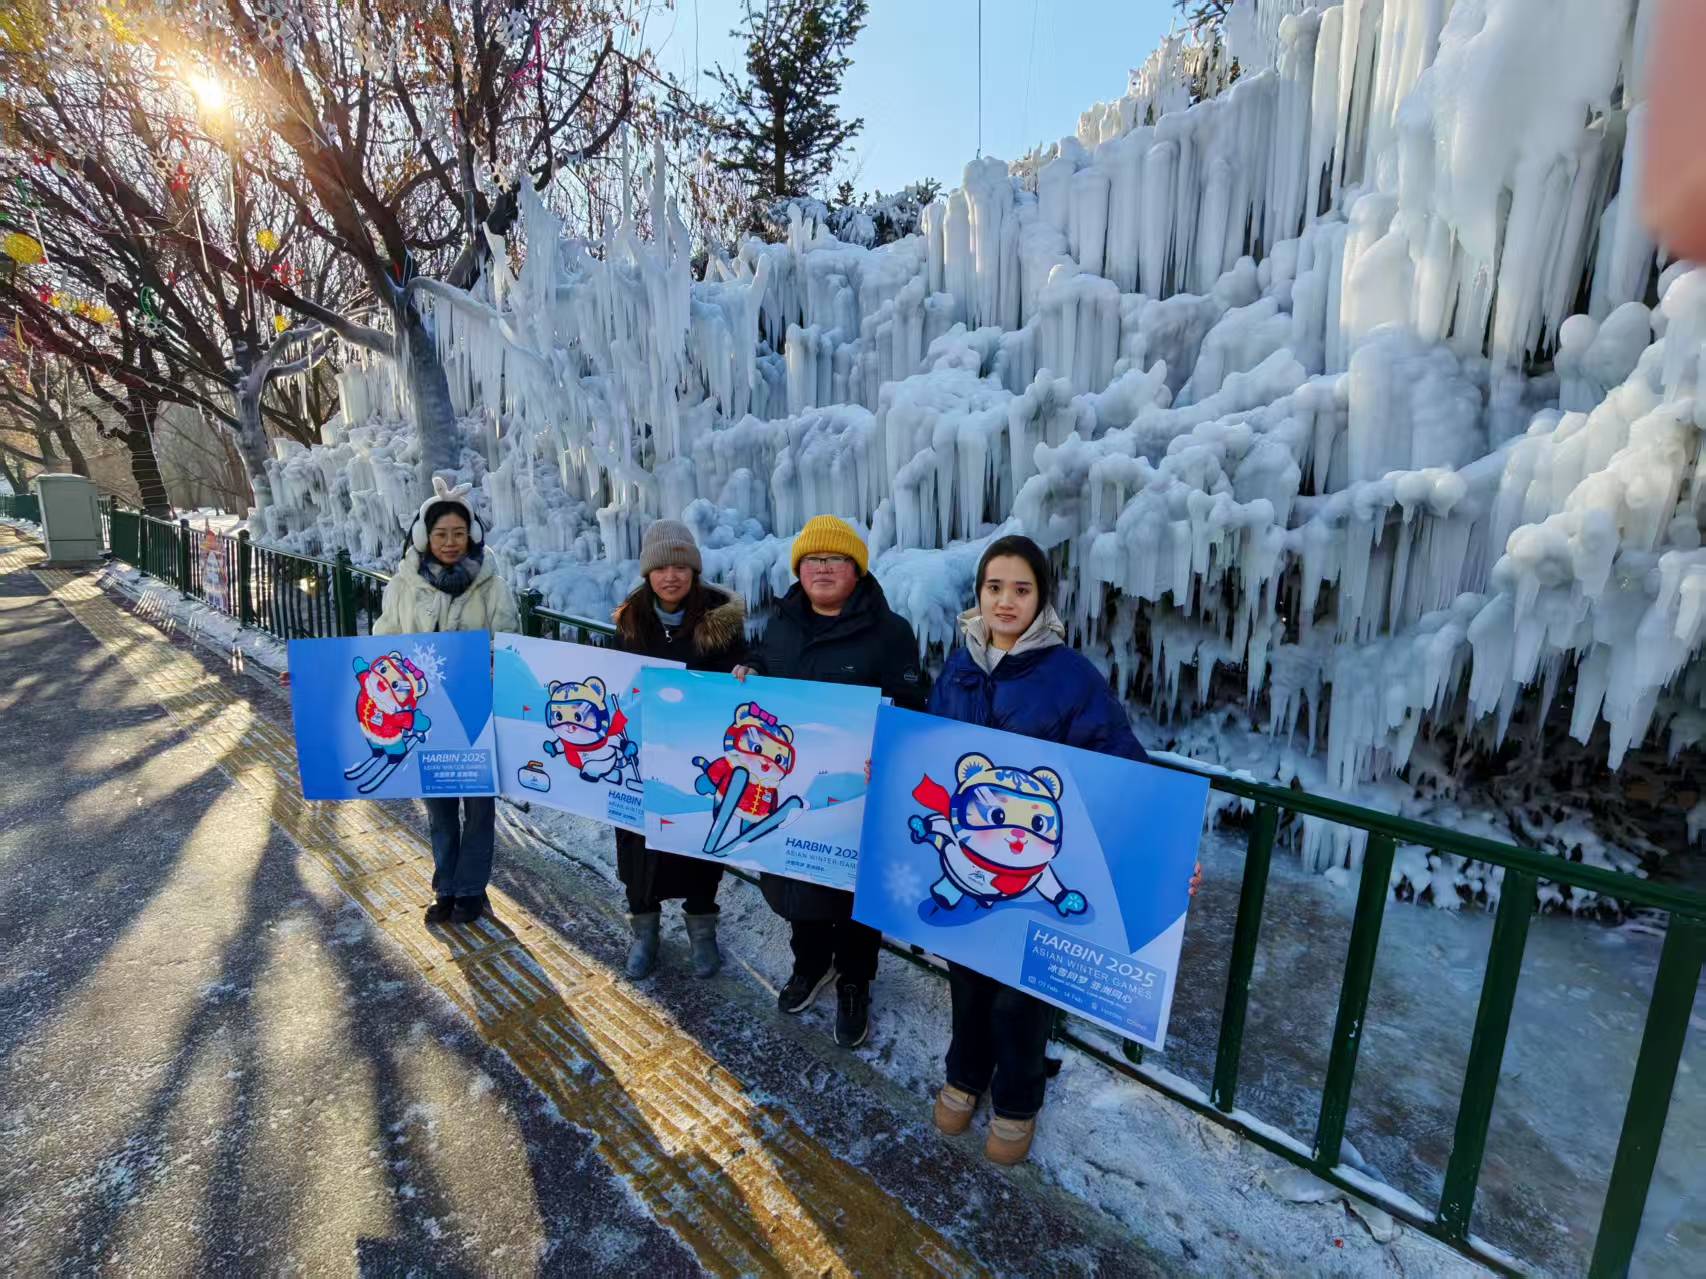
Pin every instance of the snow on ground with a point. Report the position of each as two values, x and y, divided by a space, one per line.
1183 1182
176 613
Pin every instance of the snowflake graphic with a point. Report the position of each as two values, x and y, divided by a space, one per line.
431 663
903 882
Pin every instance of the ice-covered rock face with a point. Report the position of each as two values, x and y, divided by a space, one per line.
1295 381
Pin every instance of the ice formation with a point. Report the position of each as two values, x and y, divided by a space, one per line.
1354 396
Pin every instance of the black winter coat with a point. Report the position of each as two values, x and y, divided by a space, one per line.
717 643
867 644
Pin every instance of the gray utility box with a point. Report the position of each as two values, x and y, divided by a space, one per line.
70 519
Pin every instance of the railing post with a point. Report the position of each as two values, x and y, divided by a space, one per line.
1486 1052
184 584
527 602
1257 859
343 593
1372 892
245 594
1674 990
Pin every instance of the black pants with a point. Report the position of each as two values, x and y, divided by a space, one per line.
703 904
1000 1043
850 946
652 878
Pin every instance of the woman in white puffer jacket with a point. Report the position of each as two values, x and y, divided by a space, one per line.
447 583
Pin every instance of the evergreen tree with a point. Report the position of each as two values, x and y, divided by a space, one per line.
780 122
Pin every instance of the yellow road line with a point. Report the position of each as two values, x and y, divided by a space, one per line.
746 1188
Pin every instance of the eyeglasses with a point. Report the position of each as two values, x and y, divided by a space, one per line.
824 562
449 535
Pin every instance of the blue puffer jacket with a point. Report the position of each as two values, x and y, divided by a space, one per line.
1050 693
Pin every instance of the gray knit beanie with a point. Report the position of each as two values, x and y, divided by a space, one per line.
669 544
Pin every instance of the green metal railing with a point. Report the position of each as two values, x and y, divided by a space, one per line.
20 506
543 623
292 596
1662 1041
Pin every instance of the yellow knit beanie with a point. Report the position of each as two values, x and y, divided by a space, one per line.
827 535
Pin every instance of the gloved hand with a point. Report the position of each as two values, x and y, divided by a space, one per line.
1072 903
703 783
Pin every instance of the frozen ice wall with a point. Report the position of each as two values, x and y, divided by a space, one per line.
1352 398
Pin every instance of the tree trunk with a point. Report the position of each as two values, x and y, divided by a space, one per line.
429 388
252 444
14 479
50 458
779 154
144 466
73 451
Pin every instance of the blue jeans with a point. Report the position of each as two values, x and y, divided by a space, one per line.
462 849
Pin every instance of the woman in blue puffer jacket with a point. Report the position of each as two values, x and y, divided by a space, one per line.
1015 673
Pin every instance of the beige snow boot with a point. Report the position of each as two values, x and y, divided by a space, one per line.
1009 1140
954 1109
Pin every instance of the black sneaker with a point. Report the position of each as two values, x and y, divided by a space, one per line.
439 911
852 1013
802 990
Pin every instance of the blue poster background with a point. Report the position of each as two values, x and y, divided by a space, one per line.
820 801
585 755
1107 946
394 716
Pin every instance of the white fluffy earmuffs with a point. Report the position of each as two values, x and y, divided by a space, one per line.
458 496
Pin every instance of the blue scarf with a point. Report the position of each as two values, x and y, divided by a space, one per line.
455 578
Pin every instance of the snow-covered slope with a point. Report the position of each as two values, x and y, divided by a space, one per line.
1354 396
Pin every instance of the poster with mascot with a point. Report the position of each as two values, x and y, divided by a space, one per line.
394 716
568 727
1061 872
767 774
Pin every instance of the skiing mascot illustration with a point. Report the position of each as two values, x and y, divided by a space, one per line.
996 834
758 752
591 732
391 688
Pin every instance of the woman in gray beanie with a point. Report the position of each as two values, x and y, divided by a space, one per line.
675 616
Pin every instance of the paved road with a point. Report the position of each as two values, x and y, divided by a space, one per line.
209 1060
227 1043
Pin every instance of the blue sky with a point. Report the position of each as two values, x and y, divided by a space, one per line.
914 74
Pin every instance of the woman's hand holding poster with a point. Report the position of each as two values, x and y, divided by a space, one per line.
568 727
394 716
1061 872
768 774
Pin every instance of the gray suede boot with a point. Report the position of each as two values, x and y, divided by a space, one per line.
643 954
702 931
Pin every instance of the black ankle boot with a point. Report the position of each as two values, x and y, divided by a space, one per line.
439 912
468 909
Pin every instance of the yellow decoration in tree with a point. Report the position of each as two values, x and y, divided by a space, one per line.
279 324
116 24
267 238
58 301
21 248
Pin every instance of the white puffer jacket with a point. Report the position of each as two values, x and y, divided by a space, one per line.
413 604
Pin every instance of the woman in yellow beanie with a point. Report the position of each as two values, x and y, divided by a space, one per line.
835 625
